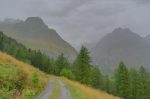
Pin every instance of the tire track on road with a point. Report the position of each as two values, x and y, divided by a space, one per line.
47 92
64 91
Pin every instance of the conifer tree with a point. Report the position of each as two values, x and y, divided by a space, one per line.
96 79
60 64
136 85
145 77
82 66
1 41
107 84
122 81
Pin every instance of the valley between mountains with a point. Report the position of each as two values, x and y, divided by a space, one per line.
36 63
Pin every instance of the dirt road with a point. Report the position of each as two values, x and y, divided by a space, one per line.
64 92
47 92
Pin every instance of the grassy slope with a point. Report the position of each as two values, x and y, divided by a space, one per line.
30 89
78 90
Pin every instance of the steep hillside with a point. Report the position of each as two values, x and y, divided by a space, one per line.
121 45
35 34
18 79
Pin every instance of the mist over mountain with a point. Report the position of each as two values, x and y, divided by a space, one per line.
35 34
147 38
121 45
90 45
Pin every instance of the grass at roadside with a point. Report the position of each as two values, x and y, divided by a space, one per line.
80 91
76 93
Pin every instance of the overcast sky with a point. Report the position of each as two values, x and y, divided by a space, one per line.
79 21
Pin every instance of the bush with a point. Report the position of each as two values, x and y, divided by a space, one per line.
67 73
21 81
29 94
36 79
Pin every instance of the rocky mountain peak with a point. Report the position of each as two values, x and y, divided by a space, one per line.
35 21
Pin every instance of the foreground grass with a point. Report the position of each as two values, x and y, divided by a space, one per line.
80 91
12 72
76 93
6 79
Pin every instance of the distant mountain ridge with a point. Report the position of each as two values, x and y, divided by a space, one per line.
35 34
147 38
121 45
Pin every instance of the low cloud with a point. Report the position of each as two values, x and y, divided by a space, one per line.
79 21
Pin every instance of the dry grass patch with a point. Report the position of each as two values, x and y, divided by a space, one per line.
90 93
29 71
26 68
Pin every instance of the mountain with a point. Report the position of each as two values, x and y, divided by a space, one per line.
147 38
89 45
121 45
35 34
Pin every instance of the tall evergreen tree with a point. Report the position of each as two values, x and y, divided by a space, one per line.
61 62
122 81
1 41
145 76
82 66
46 65
107 84
36 57
136 85
96 78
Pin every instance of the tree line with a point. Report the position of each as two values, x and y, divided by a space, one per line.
126 83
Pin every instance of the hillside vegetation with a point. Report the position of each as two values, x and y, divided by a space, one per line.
18 79
80 91
124 82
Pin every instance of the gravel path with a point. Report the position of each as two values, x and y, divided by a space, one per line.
47 92
64 91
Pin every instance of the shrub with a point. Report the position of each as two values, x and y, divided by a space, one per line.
21 81
29 94
67 73
36 79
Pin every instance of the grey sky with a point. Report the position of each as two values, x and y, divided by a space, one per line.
79 21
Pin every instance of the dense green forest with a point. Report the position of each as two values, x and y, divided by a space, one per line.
127 83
